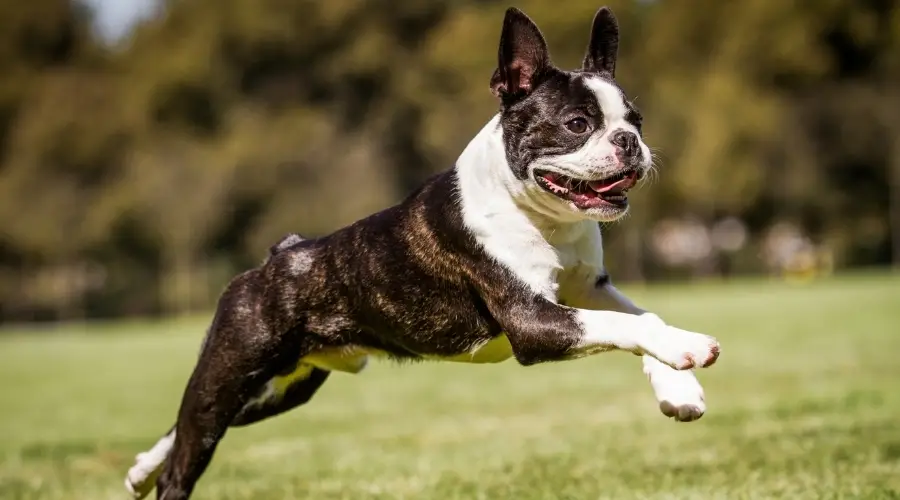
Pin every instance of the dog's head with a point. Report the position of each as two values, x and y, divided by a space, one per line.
572 138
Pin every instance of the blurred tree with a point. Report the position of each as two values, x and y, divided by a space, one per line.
53 173
140 177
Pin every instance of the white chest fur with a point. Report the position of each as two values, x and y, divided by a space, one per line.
582 262
554 259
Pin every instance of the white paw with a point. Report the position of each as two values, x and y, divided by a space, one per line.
141 480
141 477
679 393
683 350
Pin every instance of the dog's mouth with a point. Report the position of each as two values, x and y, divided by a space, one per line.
608 192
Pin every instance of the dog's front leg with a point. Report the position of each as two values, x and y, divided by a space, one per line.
679 393
541 330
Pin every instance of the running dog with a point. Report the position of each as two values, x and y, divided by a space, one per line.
498 257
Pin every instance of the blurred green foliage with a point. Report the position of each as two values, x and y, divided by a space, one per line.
138 178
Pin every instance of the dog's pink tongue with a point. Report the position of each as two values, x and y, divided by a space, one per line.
619 185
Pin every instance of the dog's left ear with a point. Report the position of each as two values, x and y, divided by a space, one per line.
604 45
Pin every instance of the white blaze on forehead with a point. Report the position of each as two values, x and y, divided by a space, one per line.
610 99
596 158
615 110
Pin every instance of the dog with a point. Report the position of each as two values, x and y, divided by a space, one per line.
498 257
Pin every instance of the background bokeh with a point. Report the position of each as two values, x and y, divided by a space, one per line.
150 150
141 166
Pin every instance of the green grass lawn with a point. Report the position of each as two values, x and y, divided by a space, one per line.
803 403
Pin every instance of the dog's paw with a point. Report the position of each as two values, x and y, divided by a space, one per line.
679 393
140 480
141 477
683 412
683 350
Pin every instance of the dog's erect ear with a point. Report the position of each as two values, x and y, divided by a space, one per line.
523 56
604 45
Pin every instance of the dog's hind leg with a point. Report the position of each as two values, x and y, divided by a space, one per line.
243 351
282 393
221 385
297 385
277 396
228 374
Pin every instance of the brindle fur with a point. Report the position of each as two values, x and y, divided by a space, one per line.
429 291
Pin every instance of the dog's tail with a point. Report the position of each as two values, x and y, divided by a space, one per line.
141 477
286 241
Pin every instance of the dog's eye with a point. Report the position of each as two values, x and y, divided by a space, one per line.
577 125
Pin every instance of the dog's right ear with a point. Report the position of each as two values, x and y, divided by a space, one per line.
523 56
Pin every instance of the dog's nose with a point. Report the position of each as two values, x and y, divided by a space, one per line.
626 140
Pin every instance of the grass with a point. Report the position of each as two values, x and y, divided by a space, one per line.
804 403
